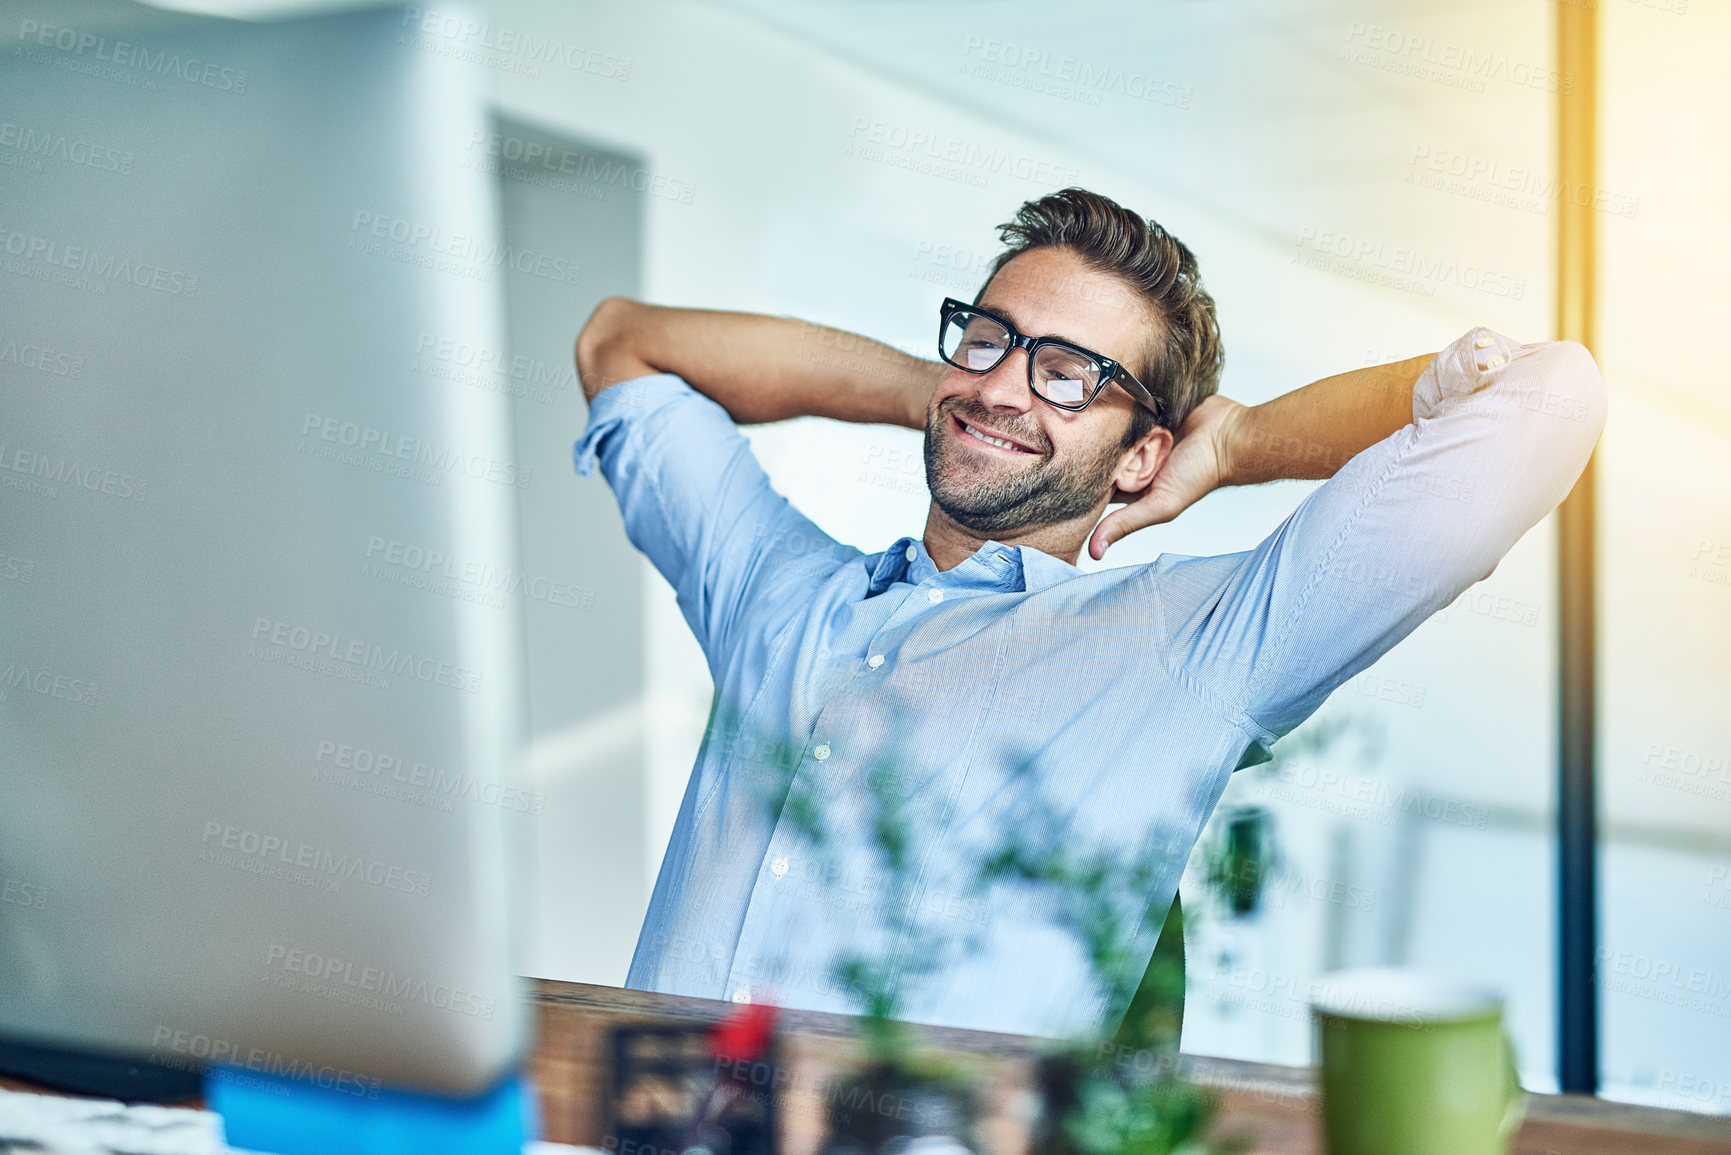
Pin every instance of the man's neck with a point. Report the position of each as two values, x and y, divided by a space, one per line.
949 544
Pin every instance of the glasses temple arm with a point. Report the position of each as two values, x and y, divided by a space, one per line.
1141 392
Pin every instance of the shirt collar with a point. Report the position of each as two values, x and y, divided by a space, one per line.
1029 570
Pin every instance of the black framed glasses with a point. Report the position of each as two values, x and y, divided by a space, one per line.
1059 373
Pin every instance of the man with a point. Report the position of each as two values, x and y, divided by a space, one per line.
973 673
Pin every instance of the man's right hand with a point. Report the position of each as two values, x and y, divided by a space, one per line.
758 368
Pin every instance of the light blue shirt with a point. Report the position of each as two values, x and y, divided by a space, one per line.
1014 683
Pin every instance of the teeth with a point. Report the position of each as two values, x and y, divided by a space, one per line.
998 441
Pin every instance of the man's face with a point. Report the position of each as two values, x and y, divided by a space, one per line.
1062 464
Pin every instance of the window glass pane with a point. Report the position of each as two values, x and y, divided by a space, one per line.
1665 558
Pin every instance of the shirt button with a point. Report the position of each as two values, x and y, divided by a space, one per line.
741 995
1494 361
913 552
778 867
935 596
1483 343
821 752
875 661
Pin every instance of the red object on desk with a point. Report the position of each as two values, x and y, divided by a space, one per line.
744 1034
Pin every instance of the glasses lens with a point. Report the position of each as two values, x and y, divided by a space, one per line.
973 342
1065 376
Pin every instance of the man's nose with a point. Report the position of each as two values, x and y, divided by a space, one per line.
1006 386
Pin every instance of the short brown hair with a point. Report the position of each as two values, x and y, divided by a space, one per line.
1182 360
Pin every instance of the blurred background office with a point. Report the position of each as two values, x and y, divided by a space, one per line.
1361 181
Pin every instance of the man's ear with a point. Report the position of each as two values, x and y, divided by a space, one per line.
1143 460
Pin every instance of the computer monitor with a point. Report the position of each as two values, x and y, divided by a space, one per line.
260 661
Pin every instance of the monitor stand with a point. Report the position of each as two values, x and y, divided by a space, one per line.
295 1117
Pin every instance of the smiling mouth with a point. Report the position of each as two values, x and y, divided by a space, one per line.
990 440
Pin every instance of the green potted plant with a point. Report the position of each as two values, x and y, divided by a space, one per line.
1120 1093
899 1096
1124 1093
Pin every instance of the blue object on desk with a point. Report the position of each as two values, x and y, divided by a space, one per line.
293 1117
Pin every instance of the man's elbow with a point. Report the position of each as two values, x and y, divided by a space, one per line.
604 353
1566 385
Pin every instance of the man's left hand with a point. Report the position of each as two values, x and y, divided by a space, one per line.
1198 463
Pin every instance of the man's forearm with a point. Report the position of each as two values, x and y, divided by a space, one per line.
1313 431
758 368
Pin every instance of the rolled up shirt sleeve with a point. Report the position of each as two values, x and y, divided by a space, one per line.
696 502
1499 435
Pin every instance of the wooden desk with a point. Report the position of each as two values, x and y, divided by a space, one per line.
1275 1104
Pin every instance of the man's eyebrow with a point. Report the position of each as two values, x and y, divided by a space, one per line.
1023 329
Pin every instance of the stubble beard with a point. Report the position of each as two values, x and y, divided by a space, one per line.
999 499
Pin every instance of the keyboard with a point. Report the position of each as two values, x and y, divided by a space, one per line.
68 1126
61 1125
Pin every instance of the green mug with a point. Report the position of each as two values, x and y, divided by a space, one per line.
1415 1064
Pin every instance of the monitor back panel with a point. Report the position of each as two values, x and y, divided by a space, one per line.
260 661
